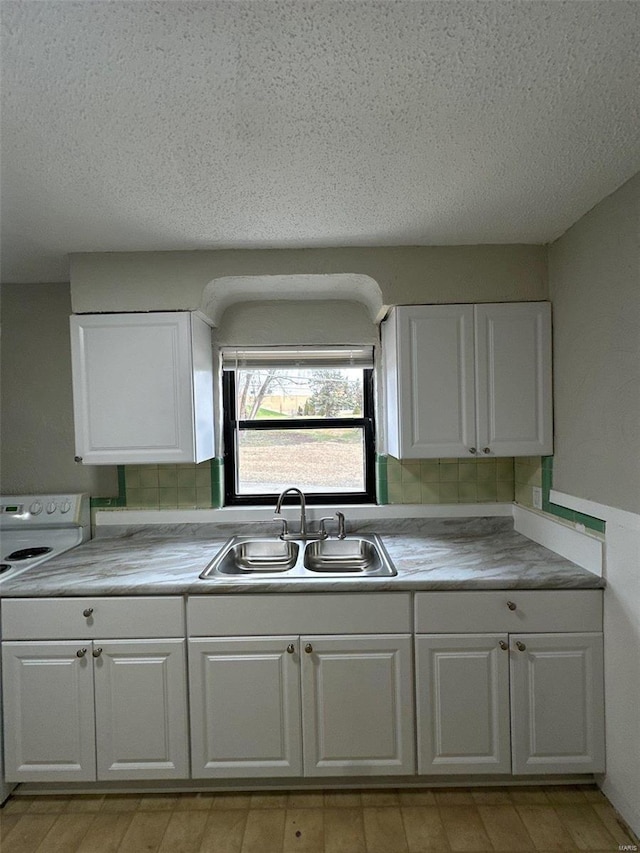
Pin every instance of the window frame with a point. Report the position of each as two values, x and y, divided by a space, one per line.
231 427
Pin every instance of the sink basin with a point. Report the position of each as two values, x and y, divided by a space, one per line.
246 558
345 555
253 556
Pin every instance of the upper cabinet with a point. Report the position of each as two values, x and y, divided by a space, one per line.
142 388
468 380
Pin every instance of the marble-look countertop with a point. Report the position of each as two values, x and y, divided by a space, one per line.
428 554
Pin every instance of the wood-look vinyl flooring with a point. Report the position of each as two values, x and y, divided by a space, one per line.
426 820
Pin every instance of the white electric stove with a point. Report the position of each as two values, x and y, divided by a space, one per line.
35 528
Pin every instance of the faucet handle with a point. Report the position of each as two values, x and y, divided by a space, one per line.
322 531
342 532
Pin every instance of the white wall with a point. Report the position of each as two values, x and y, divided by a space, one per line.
594 282
144 281
37 447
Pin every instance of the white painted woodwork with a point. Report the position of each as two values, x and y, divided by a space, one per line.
111 618
321 613
488 611
141 709
48 712
513 378
357 706
245 707
430 382
142 388
462 701
468 380
557 703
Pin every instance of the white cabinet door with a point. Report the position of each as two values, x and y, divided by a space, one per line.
557 703
513 379
142 388
141 709
48 712
357 695
245 707
463 704
467 380
429 359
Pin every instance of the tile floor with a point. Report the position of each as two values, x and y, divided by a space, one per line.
514 820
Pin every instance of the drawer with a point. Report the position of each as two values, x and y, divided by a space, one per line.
109 619
510 611
331 613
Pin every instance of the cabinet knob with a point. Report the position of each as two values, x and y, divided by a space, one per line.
308 648
520 646
77 458
97 652
511 605
504 646
291 649
486 450
81 653
472 450
87 612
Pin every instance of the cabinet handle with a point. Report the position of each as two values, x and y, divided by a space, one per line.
486 450
520 646
504 646
97 652
81 653
308 648
511 605
472 450
291 648
87 612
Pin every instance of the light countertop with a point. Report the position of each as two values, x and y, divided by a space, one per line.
480 553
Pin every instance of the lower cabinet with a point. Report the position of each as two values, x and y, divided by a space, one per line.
79 711
510 703
312 705
93 689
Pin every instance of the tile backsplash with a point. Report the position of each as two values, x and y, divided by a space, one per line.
169 486
445 481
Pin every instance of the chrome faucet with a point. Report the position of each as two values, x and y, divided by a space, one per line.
302 534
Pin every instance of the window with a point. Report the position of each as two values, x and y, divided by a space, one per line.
298 417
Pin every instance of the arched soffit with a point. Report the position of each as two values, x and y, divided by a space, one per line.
221 293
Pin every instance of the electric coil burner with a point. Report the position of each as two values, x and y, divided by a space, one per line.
35 528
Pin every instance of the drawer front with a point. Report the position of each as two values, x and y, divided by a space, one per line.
256 615
107 618
510 611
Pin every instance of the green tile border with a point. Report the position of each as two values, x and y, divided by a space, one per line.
589 521
120 501
382 483
217 482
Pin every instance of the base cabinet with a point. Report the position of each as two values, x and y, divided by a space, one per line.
245 707
301 705
557 703
517 703
106 710
463 704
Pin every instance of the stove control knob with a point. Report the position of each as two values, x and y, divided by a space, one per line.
51 507
66 506
35 508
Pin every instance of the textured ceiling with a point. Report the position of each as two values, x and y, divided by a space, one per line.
202 125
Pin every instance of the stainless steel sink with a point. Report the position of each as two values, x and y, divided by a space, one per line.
241 556
246 558
355 555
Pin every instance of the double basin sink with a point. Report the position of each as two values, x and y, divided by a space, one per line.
251 557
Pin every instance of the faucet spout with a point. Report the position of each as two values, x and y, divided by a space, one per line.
303 512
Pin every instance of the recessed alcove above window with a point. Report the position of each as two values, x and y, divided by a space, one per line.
223 293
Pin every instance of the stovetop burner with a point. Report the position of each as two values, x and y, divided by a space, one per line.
28 553
4 567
